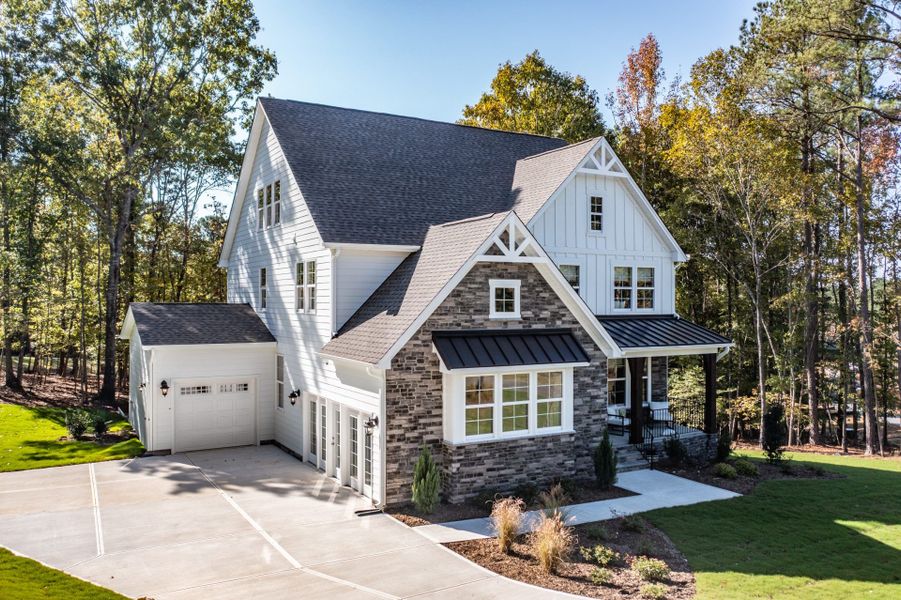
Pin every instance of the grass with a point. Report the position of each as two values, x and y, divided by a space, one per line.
30 439
824 539
25 579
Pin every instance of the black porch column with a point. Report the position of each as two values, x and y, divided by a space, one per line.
709 393
636 372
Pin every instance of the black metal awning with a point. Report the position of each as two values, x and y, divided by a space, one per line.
659 331
487 348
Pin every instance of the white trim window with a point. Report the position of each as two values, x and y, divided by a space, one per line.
268 206
264 287
616 382
260 209
280 381
644 292
277 202
622 288
479 400
305 286
596 213
549 407
504 299
571 274
515 402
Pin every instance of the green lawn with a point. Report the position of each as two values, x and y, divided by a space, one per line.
30 439
817 539
25 579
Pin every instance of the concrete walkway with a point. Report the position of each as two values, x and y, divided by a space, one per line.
655 489
240 523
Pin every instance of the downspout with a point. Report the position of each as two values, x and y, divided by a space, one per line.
333 288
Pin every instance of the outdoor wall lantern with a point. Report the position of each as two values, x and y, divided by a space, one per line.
371 423
164 387
293 396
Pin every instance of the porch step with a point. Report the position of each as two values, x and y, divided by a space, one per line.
628 458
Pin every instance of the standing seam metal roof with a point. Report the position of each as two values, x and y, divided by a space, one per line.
649 331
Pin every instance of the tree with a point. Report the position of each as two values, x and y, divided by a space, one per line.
426 482
605 462
156 77
534 97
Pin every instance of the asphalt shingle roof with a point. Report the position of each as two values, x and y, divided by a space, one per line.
393 307
375 178
651 331
488 348
166 324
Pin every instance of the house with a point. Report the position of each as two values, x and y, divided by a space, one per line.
395 283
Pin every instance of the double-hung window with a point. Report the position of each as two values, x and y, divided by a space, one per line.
622 287
549 406
596 213
260 209
277 202
305 286
268 206
616 381
479 397
280 381
263 289
633 288
644 281
504 299
515 401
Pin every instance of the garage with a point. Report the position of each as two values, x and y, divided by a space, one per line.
201 376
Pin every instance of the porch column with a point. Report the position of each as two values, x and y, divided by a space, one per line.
709 393
636 372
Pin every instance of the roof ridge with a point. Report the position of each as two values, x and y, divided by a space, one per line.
388 114
484 217
567 147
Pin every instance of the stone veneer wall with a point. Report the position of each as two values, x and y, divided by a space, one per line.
659 378
413 397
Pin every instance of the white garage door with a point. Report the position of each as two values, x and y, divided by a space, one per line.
214 414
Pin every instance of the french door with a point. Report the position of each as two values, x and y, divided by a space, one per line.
318 434
340 445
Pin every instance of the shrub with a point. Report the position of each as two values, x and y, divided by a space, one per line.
634 523
553 500
552 542
818 470
601 576
653 591
597 532
101 426
787 467
506 519
600 554
77 422
724 445
745 467
675 450
528 492
426 482
605 463
485 498
725 470
650 569
645 547
773 433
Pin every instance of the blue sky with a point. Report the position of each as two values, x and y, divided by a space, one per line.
428 58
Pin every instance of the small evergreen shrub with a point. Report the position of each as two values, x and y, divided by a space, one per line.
675 450
506 519
650 569
605 463
77 422
818 470
601 576
645 547
787 467
725 470
597 532
745 467
101 426
600 554
724 445
553 500
634 523
552 542
653 591
774 433
426 482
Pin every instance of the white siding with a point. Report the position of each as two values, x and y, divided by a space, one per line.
300 335
628 239
359 273
137 375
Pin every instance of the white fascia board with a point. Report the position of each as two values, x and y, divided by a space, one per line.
128 324
547 268
235 346
409 249
513 368
328 356
674 350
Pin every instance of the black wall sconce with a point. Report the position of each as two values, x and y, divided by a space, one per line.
293 396
164 387
371 423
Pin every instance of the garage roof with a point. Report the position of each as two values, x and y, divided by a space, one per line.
659 331
487 348
171 324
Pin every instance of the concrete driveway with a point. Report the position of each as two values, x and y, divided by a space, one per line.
242 523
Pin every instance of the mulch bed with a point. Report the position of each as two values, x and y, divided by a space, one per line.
629 536
54 391
744 484
579 492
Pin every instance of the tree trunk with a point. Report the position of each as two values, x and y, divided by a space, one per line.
811 296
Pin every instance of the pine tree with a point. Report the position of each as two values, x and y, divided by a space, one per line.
426 482
605 463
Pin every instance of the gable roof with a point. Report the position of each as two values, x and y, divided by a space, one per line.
171 324
370 332
375 178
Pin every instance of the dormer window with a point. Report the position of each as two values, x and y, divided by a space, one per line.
596 213
504 299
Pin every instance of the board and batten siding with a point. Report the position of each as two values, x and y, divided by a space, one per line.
300 335
628 239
